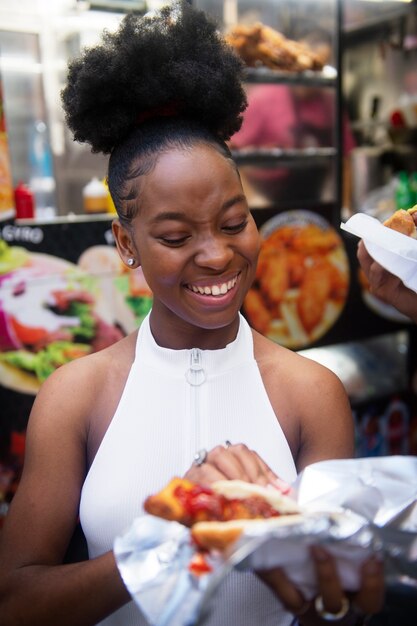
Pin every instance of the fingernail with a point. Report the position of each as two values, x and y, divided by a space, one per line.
283 487
319 553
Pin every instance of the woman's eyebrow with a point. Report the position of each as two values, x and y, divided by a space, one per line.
235 200
182 217
169 215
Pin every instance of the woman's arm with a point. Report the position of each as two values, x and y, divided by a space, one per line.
326 419
35 588
310 403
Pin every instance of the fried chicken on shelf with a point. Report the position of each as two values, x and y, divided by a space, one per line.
263 45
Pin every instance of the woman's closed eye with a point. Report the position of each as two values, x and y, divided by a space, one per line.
174 241
235 228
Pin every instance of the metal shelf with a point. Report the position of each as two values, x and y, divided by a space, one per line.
326 78
279 156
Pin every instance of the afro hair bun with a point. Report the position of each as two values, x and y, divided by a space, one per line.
172 60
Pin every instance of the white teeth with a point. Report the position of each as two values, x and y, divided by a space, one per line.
215 290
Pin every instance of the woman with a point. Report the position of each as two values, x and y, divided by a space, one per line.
161 96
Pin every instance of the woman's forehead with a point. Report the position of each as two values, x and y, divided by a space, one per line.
189 188
195 152
198 169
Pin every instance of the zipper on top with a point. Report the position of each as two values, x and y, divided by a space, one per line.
195 376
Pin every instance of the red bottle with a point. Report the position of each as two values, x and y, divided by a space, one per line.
24 202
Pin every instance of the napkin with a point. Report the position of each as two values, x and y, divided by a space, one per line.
394 251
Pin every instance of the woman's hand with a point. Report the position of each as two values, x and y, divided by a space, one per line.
227 462
367 601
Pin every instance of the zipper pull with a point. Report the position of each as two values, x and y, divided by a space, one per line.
195 375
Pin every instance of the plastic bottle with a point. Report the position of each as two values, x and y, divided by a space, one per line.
42 181
413 186
95 196
110 204
408 105
24 202
403 194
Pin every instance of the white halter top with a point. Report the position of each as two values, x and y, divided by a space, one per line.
174 403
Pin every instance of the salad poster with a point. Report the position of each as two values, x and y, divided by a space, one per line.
56 307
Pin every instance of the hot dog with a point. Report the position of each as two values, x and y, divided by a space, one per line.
217 515
404 221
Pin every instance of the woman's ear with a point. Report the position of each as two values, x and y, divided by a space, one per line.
125 245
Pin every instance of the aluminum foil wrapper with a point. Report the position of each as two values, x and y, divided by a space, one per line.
353 507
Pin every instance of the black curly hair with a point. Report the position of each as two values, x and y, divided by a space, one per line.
160 81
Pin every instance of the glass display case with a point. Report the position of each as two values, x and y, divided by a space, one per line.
289 147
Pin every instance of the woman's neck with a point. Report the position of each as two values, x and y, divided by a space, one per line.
178 334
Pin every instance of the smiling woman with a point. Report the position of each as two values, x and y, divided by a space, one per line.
162 95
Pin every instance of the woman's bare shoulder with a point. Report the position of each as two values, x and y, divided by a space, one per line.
274 359
309 400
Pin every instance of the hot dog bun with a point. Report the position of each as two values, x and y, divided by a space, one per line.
241 490
221 535
218 514
403 221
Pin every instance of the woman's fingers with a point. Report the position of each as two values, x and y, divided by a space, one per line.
204 474
370 598
220 463
328 582
270 478
255 470
332 599
233 462
291 598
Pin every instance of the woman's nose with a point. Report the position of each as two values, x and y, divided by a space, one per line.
214 252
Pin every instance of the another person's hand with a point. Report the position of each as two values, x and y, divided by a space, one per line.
386 286
227 462
331 602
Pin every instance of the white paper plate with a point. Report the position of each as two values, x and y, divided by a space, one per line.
396 252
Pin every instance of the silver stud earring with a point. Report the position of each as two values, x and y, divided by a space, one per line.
131 262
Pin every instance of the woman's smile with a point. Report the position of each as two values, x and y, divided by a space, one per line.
215 289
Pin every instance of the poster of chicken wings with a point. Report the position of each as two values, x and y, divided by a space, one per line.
302 279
